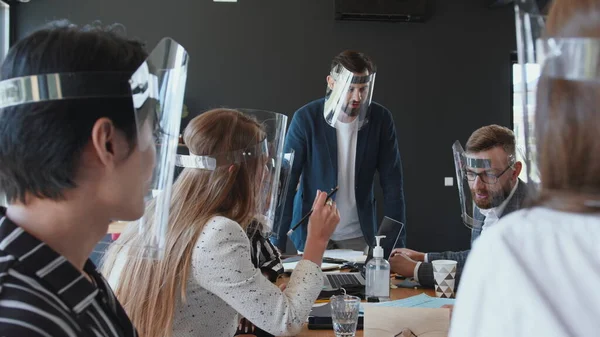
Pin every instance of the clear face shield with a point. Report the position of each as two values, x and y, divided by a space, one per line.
348 98
157 91
548 58
284 180
273 165
484 182
530 25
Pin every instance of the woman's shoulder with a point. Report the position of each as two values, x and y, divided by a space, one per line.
219 222
219 229
221 240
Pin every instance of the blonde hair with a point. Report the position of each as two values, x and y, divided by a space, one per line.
149 290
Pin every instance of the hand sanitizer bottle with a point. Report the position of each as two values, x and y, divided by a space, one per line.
378 275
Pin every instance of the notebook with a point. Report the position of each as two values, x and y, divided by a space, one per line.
418 301
387 321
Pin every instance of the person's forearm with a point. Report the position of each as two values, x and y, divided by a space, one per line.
314 250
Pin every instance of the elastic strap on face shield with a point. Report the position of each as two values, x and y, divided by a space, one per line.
362 79
478 163
355 79
486 163
211 162
197 162
62 86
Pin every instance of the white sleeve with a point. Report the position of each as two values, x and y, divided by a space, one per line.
481 305
416 271
504 292
222 265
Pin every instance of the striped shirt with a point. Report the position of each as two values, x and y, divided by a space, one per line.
264 255
43 295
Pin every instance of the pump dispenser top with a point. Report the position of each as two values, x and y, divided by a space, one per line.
378 250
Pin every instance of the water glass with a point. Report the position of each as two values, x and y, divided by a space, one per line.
344 313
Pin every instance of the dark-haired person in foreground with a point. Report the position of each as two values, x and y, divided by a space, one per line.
74 157
342 140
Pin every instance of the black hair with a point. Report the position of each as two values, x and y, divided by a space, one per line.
41 143
354 61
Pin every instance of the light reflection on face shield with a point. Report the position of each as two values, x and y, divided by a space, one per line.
355 98
492 184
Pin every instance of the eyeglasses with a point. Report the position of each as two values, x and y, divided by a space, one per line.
485 177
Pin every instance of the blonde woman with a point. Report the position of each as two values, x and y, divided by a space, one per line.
207 279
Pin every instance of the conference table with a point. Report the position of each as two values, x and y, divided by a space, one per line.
395 294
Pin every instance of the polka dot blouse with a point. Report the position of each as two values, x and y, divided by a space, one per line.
224 284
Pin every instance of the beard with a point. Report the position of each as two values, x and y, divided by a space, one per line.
350 111
494 198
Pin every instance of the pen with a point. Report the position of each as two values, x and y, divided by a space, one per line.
322 301
311 211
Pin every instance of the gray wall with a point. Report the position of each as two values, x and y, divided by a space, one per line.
441 79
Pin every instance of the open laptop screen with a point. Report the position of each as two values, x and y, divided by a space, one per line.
392 230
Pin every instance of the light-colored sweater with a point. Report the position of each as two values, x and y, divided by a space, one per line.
534 274
223 284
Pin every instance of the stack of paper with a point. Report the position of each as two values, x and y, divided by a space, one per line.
419 301
428 322
346 254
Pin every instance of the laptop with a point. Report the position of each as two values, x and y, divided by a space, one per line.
333 281
388 227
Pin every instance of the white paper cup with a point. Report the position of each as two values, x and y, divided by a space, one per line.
444 274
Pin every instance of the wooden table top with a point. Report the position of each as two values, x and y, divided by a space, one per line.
395 294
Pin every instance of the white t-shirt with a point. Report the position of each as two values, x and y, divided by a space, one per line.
535 274
349 226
